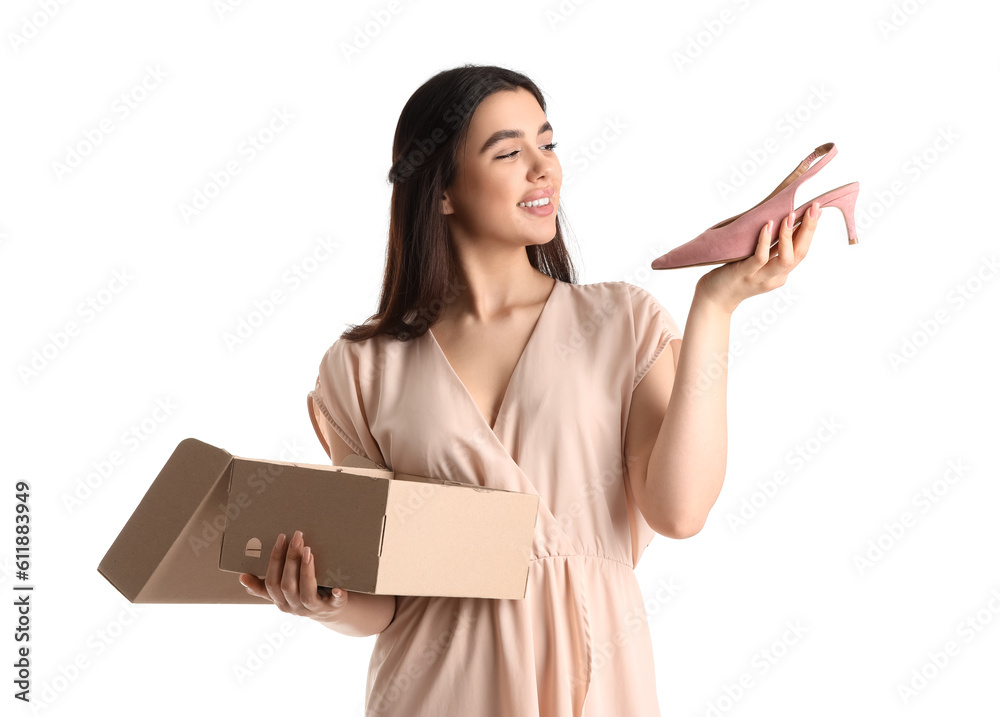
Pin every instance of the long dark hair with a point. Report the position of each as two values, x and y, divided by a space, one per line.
420 271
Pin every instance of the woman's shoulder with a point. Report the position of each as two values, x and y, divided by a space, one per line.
358 350
601 287
610 293
633 306
366 358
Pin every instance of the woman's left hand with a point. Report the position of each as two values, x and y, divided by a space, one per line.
766 269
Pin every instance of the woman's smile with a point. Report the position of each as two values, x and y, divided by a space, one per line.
542 210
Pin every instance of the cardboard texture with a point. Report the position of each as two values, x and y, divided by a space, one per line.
210 515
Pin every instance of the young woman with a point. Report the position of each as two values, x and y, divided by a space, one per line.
487 363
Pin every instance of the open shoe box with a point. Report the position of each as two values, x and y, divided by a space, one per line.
210 515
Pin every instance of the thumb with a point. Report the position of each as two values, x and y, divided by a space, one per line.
253 585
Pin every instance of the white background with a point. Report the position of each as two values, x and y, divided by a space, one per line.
714 104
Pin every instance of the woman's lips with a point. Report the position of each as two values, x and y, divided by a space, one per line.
542 211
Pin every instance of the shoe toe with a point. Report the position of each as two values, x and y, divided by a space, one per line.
692 252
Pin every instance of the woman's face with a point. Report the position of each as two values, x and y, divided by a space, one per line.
482 203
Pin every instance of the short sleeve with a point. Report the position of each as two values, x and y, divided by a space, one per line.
653 328
338 400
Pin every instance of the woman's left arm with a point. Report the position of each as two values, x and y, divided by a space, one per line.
676 471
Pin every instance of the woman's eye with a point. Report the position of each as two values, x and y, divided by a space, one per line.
549 147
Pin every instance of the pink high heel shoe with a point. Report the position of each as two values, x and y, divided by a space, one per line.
735 238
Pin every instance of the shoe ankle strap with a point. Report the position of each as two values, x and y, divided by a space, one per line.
804 171
828 151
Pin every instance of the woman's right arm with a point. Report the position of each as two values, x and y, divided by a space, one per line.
290 583
363 615
294 589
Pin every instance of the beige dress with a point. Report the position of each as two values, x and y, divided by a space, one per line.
578 643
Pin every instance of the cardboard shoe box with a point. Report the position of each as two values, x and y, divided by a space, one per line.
210 515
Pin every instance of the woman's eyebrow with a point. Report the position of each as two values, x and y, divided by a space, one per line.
501 135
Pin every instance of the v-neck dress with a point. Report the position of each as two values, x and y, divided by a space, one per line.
578 643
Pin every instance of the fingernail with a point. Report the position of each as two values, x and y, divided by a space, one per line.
789 219
307 555
814 210
770 226
280 542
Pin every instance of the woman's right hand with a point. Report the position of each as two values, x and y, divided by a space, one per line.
290 582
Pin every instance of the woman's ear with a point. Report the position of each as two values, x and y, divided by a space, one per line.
446 207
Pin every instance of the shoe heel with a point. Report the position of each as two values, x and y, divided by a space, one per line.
846 202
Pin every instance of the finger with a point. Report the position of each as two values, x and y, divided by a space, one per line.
786 252
254 585
309 593
803 237
290 575
307 580
764 243
272 580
